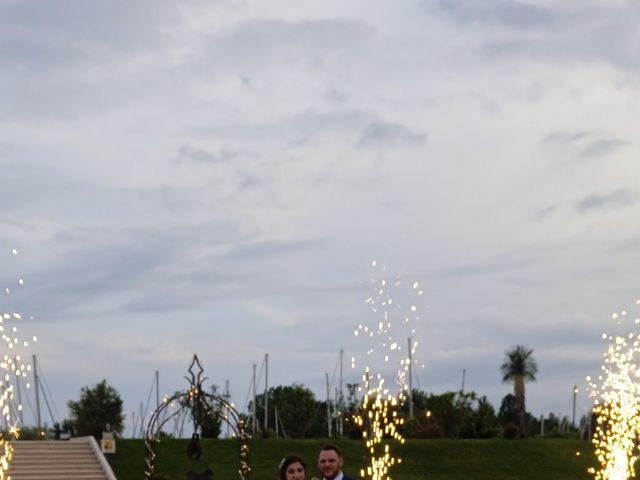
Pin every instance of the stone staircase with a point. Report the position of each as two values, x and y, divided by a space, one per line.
75 459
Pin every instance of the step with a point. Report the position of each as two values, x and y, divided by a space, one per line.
57 476
76 459
57 470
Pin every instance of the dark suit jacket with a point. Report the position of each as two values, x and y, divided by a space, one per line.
346 477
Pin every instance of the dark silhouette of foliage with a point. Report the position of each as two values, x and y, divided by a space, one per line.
207 414
482 421
508 412
510 431
297 409
98 406
450 414
519 367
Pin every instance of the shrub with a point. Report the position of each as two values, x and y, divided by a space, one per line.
432 430
355 433
408 428
268 433
510 431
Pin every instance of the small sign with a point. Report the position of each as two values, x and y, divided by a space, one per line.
108 445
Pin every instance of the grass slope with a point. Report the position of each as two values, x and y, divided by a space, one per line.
496 459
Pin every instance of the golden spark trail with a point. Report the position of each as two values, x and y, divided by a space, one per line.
392 326
12 367
617 403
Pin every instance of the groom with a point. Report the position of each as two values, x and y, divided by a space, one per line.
330 463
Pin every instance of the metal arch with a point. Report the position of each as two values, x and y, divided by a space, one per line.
196 398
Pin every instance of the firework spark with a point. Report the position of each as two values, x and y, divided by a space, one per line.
617 401
394 305
12 368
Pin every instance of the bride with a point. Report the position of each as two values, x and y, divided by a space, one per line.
293 467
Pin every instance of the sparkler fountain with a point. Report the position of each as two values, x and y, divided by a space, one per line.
395 312
617 401
12 366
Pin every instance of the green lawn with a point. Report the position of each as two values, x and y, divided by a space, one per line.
496 459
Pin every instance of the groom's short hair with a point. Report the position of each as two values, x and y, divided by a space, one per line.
329 446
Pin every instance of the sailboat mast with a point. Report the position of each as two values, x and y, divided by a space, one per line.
341 397
20 410
266 392
36 380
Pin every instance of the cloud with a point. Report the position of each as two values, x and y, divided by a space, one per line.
618 199
74 59
269 248
563 138
591 144
160 159
629 246
202 156
295 129
526 282
257 37
26 183
385 134
112 25
276 317
110 265
119 268
255 47
501 12
242 270
594 34
543 213
249 182
482 269
603 147
33 58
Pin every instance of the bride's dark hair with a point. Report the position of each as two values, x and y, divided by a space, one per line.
288 460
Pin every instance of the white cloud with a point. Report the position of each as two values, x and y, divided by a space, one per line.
216 170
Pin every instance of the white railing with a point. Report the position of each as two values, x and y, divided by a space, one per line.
99 455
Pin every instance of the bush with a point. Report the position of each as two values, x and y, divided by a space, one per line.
491 433
510 431
564 435
268 433
32 433
355 433
432 430
408 428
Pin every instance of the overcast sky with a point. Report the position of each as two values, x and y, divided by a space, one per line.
217 176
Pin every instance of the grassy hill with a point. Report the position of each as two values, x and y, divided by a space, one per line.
495 459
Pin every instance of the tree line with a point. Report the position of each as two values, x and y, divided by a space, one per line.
452 414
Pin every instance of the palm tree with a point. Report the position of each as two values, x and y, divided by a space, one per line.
520 367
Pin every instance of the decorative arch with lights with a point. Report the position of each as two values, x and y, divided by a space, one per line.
197 400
